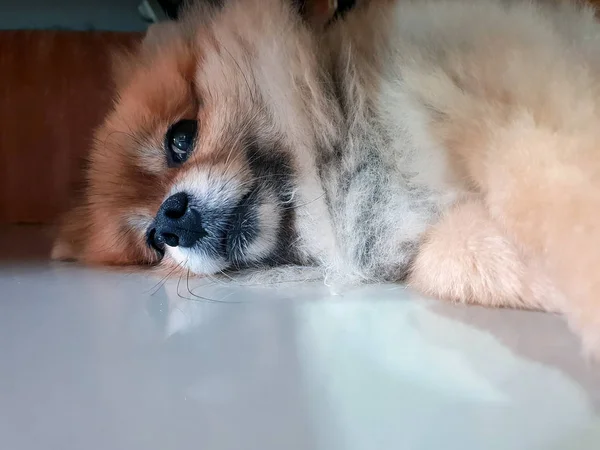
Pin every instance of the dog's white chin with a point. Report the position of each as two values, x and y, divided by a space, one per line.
197 262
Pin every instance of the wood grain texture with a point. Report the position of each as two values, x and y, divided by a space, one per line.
54 89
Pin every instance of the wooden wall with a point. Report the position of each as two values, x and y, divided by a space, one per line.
54 89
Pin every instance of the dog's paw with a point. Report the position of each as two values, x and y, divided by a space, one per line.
466 258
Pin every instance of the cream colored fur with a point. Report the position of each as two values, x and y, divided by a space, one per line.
511 94
452 144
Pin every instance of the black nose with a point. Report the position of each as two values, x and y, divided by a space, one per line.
176 224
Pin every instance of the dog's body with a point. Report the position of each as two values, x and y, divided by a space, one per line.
448 143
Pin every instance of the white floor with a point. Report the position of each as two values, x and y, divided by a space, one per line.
102 361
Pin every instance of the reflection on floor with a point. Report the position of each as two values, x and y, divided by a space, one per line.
99 360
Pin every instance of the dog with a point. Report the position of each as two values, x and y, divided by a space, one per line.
449 144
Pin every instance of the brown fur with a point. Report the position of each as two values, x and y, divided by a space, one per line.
146 83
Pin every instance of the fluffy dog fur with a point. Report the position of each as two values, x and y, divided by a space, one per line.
448 143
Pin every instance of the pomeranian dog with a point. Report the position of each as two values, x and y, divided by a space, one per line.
450 144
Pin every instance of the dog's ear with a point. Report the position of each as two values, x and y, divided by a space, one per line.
167 36
123 62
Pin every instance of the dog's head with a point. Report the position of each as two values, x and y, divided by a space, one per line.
195 163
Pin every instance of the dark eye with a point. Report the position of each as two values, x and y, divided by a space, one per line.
179 141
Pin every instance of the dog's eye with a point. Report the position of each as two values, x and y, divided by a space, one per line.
179 141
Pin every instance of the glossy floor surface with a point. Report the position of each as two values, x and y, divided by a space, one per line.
102 361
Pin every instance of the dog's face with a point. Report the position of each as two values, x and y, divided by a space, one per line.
194 166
